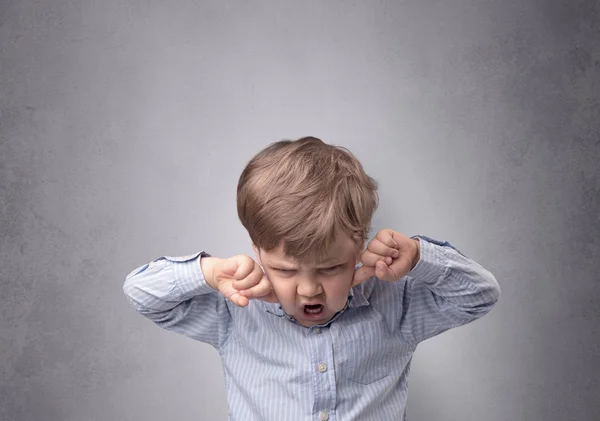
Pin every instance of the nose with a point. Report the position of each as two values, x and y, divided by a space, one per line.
309 288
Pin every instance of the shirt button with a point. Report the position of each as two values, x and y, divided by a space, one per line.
317 330
324 416
322 367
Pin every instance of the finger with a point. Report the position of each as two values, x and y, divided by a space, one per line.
386 273
259 290
234 267
362 274
234 296
386 236
368 258
245 266
229 266
239 300
251 279
382 270
378 247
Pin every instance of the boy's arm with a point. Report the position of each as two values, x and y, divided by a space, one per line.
173 293
444 290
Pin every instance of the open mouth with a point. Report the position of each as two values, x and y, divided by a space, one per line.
313 309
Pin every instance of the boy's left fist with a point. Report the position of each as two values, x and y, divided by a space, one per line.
390 255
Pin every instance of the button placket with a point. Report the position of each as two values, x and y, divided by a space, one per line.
323 371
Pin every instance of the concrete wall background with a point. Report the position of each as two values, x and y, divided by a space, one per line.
124 126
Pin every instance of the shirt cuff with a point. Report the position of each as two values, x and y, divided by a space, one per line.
430 264
189 278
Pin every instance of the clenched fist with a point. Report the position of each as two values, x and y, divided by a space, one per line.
389 256
239 278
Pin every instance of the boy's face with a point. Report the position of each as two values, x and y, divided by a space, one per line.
322 285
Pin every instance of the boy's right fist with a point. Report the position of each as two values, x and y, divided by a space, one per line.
240 278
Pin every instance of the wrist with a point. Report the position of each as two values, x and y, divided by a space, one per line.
207 265
417 253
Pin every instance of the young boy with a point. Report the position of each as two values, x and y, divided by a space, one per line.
305 332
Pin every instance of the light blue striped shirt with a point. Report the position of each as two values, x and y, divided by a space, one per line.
355 367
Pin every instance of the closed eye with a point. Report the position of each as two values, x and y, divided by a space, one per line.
329 269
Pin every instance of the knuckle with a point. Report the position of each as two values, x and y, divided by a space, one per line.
253 281
246 267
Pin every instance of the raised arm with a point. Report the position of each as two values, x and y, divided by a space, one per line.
444 290
174 293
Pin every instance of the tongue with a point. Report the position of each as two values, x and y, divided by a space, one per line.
313 308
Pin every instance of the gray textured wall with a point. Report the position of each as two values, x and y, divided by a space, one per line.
124 126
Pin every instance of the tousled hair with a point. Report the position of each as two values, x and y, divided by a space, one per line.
305 193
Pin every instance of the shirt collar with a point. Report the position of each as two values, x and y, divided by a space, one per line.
357 297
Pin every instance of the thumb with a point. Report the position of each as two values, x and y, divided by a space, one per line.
362 274
384 272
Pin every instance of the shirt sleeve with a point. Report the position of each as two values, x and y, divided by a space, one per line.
444 290
172 292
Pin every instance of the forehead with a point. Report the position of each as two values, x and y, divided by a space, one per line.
339 251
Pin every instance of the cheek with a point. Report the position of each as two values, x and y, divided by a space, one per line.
339 287
285 291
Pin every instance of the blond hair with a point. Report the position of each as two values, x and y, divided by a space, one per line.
305 193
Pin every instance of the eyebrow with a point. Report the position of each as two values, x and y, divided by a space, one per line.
286 265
